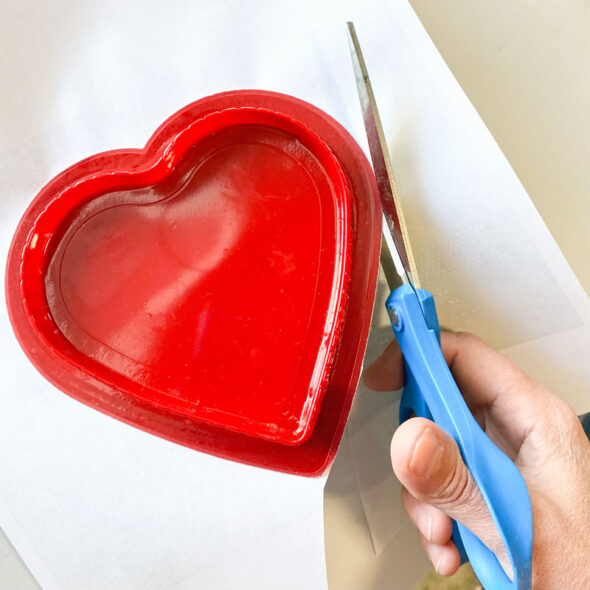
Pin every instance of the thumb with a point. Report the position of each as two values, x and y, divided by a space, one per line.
428 463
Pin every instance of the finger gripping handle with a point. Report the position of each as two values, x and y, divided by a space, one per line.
431 392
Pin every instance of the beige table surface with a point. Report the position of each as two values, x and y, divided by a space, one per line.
526 68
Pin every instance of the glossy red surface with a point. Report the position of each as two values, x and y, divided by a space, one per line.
212 288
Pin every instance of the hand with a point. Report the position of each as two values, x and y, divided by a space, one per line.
536 429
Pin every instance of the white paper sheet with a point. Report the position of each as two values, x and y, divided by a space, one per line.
98 504
92 503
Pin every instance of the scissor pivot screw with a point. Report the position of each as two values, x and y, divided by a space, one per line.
394 317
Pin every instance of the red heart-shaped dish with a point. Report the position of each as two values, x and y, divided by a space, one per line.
214 288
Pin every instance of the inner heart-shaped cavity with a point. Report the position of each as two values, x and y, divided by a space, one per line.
210 282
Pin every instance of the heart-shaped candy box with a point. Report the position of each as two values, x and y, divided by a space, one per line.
214 288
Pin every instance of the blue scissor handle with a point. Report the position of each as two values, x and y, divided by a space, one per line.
431 392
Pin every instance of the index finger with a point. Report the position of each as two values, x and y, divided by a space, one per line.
505 399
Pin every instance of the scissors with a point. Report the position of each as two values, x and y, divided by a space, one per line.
430 390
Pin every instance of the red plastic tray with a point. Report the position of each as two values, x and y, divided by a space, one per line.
214 288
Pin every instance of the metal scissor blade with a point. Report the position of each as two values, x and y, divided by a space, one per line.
396 254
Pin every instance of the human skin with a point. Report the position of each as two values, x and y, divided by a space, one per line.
535 428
